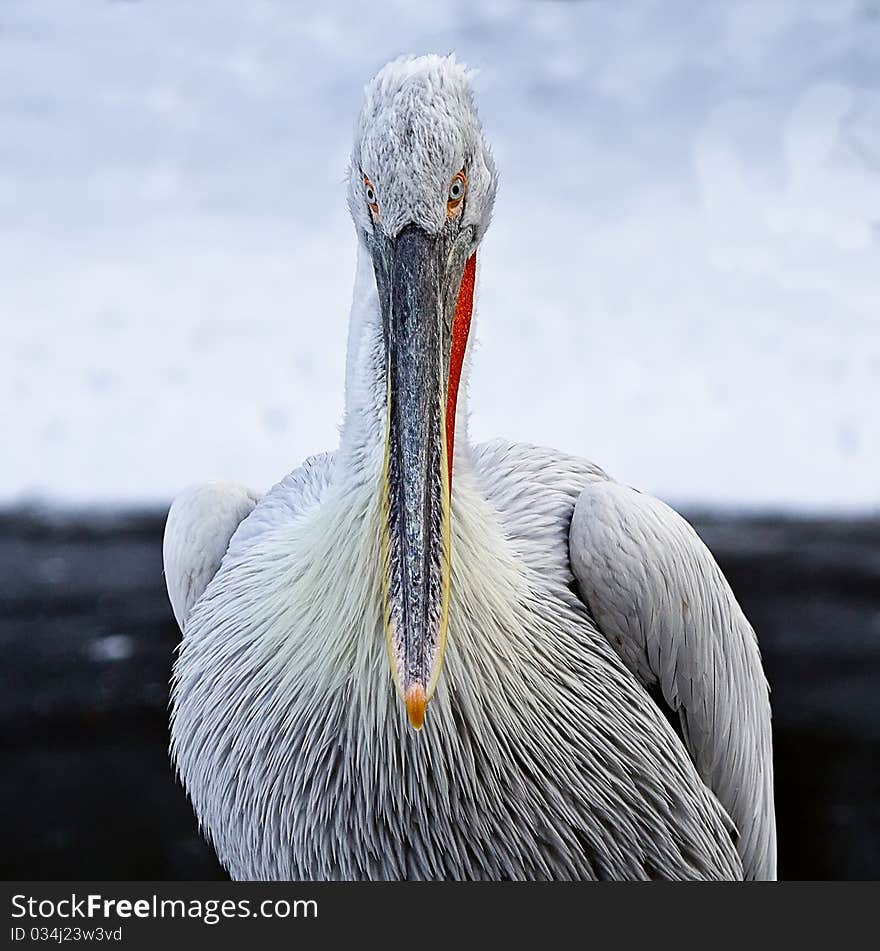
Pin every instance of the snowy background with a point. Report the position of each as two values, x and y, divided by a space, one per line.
681 281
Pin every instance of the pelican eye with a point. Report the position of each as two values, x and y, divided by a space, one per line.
370 195
457 188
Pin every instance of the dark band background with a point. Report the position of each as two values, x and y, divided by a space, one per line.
806 914
87 641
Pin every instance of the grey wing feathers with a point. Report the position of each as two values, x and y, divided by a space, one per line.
658 595
200 524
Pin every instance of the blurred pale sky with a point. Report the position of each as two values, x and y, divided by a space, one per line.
680 283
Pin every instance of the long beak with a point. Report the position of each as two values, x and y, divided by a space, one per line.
420 278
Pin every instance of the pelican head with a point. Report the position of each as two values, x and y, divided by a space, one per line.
421 189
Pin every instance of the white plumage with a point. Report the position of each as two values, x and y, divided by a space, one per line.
204 518
543 756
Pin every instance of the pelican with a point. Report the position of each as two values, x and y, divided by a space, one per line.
418 657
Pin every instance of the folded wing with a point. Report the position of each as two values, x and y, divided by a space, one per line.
200 525
659 597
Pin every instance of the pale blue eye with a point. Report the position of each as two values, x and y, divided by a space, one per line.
456 189
371 195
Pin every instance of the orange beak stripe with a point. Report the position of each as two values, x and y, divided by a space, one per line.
461 325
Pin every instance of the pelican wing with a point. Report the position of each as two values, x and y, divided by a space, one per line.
200 525
660 598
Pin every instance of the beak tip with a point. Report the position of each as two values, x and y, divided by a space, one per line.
416 702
